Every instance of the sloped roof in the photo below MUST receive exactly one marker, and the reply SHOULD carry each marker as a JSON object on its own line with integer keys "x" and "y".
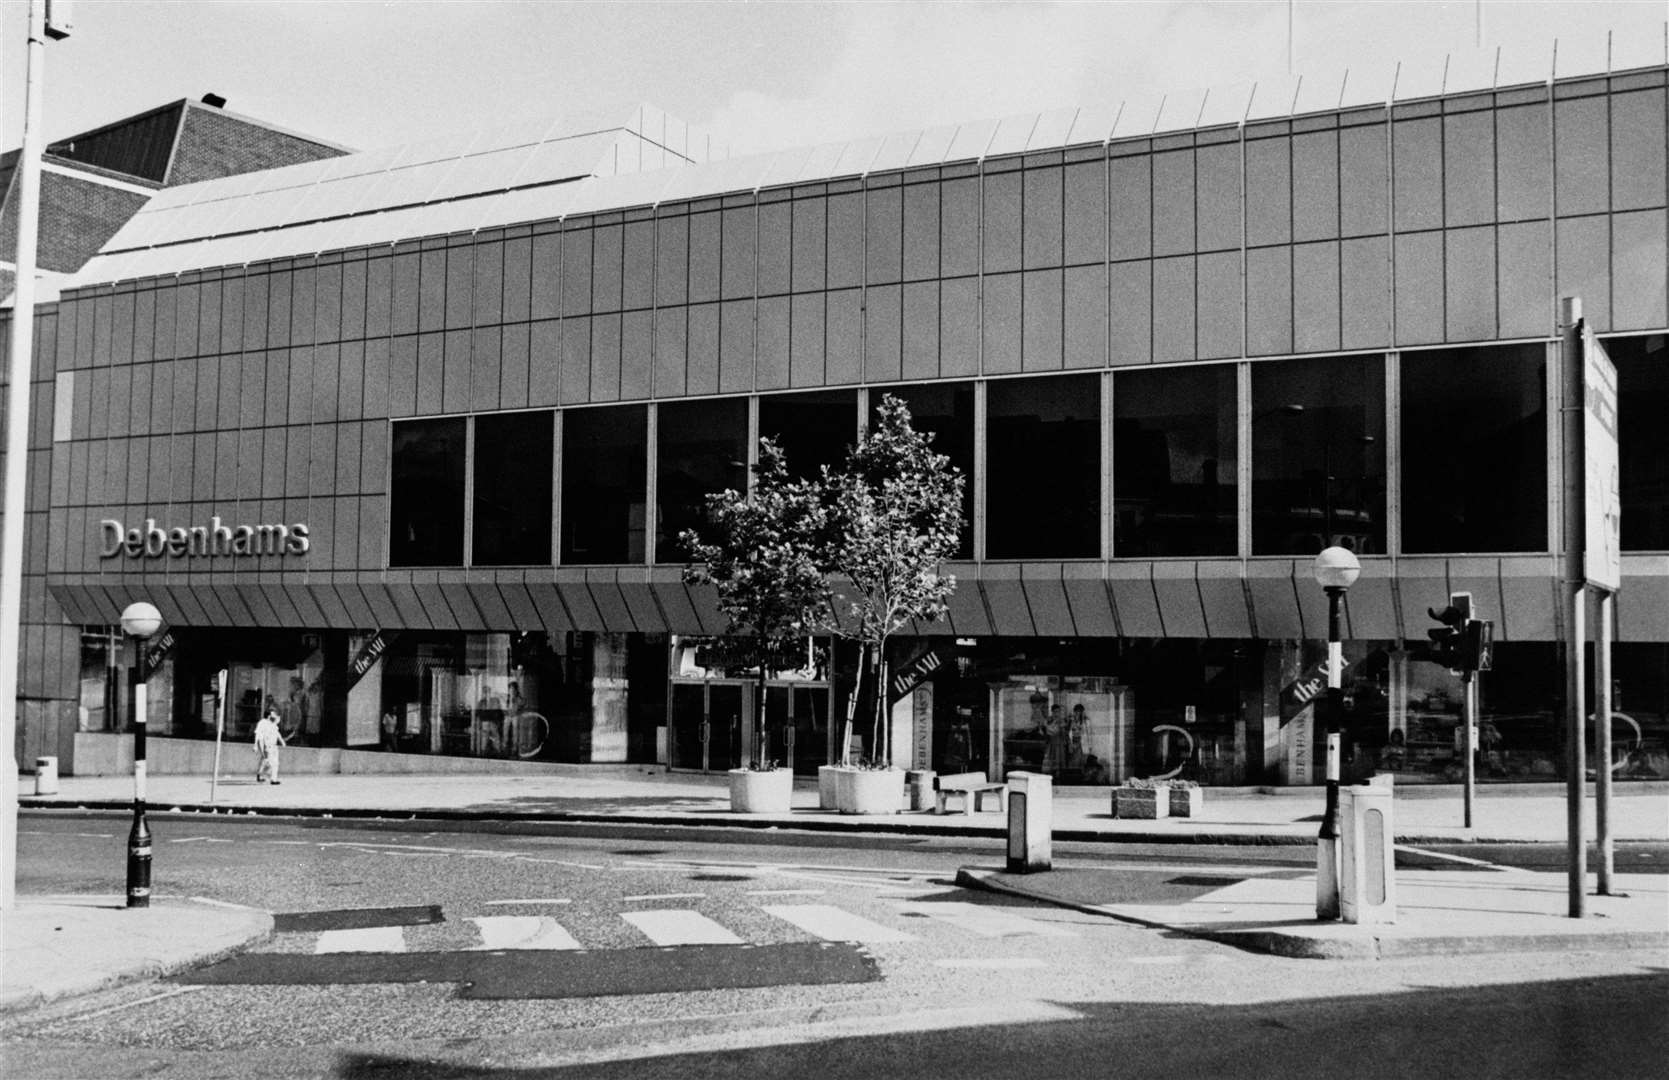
{"x": 92, "y": 183}
{"x": 492, "y": 179}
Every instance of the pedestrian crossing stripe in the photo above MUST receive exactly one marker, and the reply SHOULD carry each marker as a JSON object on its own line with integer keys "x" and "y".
{"x": 668, "y": 927}
{"x": 676, "y": 926}
{"x": 834, "y": 924}
{"x": 362, "y": 939}
{"x": 523, "y": 932}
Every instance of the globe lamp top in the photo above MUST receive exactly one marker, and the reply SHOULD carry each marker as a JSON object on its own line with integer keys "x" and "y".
{"x": 1336, "y": 568}
{"x": 141, "y": 620}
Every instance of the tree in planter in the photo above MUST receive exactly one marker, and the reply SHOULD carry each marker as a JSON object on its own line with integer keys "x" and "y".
{"x": 758, "y": 551}
{"x": 891, "y": 514}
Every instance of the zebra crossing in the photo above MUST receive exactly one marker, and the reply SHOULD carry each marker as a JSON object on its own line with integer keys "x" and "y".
{"x": 679, "y": 926}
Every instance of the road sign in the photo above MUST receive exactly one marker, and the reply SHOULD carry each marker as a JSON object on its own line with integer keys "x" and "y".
{"x": 1602, "y": 538}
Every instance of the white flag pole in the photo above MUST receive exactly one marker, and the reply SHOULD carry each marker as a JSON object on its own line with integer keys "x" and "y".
{"x": 219, "y": 728}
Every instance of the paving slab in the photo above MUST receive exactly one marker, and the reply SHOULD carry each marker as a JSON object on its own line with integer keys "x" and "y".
{"x": 1436, "y": 912}
{"x": 61, "y": 946}
{"x": 648, "y": 794}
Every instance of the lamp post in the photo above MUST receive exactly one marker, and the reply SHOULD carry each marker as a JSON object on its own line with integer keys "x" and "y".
{"x": 139, "y": 621}
{"x": 1336, "y": 570}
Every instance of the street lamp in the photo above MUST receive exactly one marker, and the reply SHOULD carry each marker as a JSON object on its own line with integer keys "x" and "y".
{"x": 139, "y": 621}
{"x": 1336, "y": 570}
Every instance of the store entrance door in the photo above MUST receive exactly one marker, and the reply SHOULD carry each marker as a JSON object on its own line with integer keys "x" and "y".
{"x": 709, "y": 728}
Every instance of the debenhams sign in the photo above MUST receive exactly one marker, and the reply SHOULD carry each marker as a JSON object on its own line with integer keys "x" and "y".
{"x": 216, "y": 538}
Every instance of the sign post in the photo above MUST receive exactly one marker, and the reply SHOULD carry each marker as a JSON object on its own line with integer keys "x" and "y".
{"x": 219, "y": 728}
{"x": 1591, "y": 536}
{"x": 1602, "y": 564}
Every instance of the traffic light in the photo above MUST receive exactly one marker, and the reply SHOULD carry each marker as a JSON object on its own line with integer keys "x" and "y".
{"x": 1446, "y": 648}
{"x": 1477, "y": 645}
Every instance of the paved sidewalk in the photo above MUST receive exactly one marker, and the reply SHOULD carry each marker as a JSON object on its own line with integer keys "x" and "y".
{"x": 57, "y": 946}
{"x": 1437, "y": 912}
{"x": 648, "y": 794}
{"x": 61, "y": 946}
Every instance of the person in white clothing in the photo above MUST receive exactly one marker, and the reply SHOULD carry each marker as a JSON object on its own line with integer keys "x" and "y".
{"x": 267, "y": 741}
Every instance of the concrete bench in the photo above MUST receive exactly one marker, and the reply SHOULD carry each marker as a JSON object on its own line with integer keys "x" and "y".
{"x": 973, "y": 787}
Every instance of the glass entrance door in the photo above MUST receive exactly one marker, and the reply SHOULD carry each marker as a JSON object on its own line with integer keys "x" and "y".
{"x": 709, "y": 725}
{"x": 797, "y": 727}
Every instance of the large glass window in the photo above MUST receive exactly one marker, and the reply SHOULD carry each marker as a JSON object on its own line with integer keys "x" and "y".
{"x": 1043, "y": 493}
{"x": 1174, "y": 461}
{"x": 812, "y": 429}
{"x": 512, "y": 489}
{"x": 701, "y": 447}
{"x": 946, "y": 412}
{"x": 1318, "y": 455}
{"x": 1643, "y": 439}
{"x": 1474, "y": 450}
{"x": 517, "y": 695}
{"x": 426, "y": 494}
{"x": 604, "y": 482}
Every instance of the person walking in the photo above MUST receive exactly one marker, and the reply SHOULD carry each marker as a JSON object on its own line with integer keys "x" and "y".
{"x": 267, "y": 741}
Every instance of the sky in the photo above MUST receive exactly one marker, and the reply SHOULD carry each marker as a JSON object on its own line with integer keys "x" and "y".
{"x": 759, "y": 75}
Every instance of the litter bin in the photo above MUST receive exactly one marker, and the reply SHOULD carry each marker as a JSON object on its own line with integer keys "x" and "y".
{"x": 46, "y": 776}
{"x": 919, "y": 783}
{"x": 1031, "y": 815}
{"x": 1367, "y": 878}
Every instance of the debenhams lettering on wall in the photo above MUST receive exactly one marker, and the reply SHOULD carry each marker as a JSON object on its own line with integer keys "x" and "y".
{"x": 191, "y": 541}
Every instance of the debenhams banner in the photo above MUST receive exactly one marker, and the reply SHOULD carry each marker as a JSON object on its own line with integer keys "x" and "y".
{"x": 193, "y": 541}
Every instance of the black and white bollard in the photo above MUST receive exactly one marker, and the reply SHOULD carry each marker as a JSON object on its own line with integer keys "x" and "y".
{"x": 1031, "y": 815}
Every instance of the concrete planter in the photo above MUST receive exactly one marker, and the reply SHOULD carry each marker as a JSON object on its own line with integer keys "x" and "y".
{"x": 761, "y": 792}
{"x": 826, "y": 778}
{"x": 1187, "y": 802}
{"x": 869, "y": 791}
{"x": 1141, "y": 803}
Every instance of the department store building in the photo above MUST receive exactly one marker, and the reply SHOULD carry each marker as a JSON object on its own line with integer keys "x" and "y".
{"x": 403, "y": 440}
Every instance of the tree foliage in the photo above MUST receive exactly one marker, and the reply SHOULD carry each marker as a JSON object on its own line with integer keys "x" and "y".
{"x": 891, "y": 515}
{"x": 759, "y": 554}
{"x": 854, "y": 552}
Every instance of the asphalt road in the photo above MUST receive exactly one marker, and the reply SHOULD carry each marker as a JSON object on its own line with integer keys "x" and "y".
{"x": 406, "y": 950}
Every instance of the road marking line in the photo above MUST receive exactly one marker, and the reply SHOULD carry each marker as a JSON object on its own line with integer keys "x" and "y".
{"x": 532, "y": 900}
{"x": 95, "y": 835}
{"x": 994, "y": 962}
{"x": 522, "y": 932}
{"x": 189, "y": 840}
{"x": 833, "y": 924}
{"x": 665, "y": 896}
{"x": 984, "y": 921}
{"x": 859, "y": 883}
{"x": 383, "y": 939}
{"x": 1445, "y": 856}
{"x": 674, "y": 926}
{"x": 94, "y": 1015}
{"x": 223, "y": 904}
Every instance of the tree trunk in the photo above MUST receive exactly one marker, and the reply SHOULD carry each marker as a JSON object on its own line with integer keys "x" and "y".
{"x": 878, "y": 663}
{"x": 852, "y": 707}
{"x": 885, "y": 705}
{"x": 759, "y": 747}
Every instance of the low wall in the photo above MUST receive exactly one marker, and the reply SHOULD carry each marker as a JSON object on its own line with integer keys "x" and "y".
{"x": 105, "y": 754}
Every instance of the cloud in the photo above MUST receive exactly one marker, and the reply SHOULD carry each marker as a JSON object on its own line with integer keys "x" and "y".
{"x": 898, "y": 67}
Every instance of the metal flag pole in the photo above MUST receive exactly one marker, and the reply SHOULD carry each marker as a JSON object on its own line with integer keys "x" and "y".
{"x": 219, "y": 728}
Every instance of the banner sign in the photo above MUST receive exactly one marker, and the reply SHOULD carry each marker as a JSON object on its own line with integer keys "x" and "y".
{"x": 156, "y": 652}
{"x": 369, "y": 654}
{"x": 1602, "y": 563}
{"x": 1302, "y": 691}
{"x": 906, "y": 677}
